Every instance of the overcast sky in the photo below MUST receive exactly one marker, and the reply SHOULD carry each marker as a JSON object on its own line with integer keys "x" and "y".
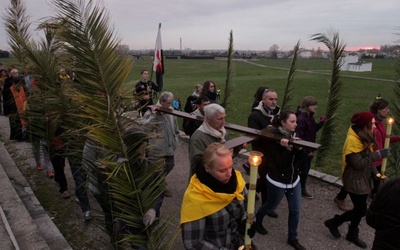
{"x": 256, "y": 24}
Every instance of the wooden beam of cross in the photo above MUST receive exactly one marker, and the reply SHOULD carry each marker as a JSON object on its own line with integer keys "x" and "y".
{"x": 251, "y": 133}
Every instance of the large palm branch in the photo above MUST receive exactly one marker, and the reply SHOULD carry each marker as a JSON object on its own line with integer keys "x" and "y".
{"x": 336, "y": 48}
{"x": 101, "y": 73}
{"x": 17, "y": 25}
{"x": 229, "y": 82}
{"x": 288, "y": 96}
{"x": 43, "y": 65}
{"x": 395, "y": 110}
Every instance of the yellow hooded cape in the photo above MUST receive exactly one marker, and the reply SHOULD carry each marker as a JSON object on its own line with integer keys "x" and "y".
{"x": 200, "y": 201}
{"x": 351, "y": 145}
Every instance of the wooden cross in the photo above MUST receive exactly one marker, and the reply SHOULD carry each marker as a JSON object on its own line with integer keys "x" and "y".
{"x": 251, "y": 133}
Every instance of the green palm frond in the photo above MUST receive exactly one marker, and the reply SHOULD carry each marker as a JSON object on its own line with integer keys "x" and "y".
{"x": 229, "y": 83}
{"x": 43, "y": 66}
{"x": 288, "y": 96}
{"x": 336, "y": 48}
{"x": 51, "y": 42}
{"x": 101, "y": 72}
{"x": 17, "y": 25}
{"x": 395, "y": 112}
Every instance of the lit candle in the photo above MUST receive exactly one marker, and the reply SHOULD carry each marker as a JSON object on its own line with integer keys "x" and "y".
{"x": 255, "y": 160}
{"x": 389, "y": 124}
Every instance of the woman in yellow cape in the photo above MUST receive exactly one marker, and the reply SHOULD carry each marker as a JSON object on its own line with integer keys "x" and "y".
{"x": 358, "y": 173}
{"x": 213, "y": 213}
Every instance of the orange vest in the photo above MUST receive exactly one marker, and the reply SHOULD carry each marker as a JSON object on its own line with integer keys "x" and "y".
{"x": 20, "y": 102}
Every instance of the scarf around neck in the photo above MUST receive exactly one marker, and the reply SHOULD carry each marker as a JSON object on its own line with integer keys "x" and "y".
{"x": 284, "y": 132}
{"x": 197, "y": 112}
{"x": 264, "y": 111}
{"x": 220, "y": 134}
{"x": 207, "y": 179}
{"x": 200, "y": 201}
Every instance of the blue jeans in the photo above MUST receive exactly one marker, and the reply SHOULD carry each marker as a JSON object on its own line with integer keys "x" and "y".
{"x": 274, "y": 197}
{"x": 79, "y": 174}
{"x": 37, "y": 144}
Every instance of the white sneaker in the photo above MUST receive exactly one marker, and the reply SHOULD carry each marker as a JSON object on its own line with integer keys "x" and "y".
{"x": 86, "y": 216}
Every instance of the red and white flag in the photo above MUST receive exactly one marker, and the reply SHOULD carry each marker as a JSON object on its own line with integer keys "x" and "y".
{"x": 158, "y": 64}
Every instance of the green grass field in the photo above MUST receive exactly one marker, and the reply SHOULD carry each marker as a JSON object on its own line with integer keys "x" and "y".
{"x": 312, "y": 78}
{"x": 181, "y": 76}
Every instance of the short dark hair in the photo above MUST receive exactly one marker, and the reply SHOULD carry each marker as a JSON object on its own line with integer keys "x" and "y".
{"x": 377, "y": 105}
{"x": 201, "y": 99}
{"x": 283, "y": 116}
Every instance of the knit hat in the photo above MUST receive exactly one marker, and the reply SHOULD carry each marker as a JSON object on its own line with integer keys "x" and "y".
{"x": 361, "y": 119}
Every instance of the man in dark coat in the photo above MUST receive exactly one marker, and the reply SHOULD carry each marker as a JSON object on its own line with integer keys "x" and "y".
{"x": 260, "y": 118}
{"x": 144, "y": 91}
{"x": 10, "y": 108}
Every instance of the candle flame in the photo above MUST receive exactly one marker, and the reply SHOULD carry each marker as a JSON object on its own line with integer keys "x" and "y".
{"x": 390, "y": 120}
{"x": 255, "y": 158}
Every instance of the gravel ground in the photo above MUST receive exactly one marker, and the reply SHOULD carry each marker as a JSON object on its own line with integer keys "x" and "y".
{"x": 68, "y": 217}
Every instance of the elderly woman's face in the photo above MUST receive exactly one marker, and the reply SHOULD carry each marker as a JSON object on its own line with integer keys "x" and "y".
{"x": 166, "y": 104}
{"x": 221, "y": 168}
{"x": 218, "y": 121}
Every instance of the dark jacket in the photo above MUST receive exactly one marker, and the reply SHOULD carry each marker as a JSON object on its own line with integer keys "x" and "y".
{"x": 384, "y": 216}
{"x": 307, "y": 128}
{"x": 141, "y": 91}
{"x": 282, "y": 162}
{"x": 190, "y": 126}
{"x": 212, "y": 96}
{"x": 359, "y": 169}
{"x": 259, "y": 120}
{"x": 8, "y": 98}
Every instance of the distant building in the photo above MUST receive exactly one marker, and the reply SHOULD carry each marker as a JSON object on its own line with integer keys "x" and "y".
{"x": 359, "y": 66}
{"x": 305, "y": 54}
{"x": 351, "y": 63}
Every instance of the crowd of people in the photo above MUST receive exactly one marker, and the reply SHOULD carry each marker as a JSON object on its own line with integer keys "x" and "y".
{"x": 213, "y": 212}
{"x": 283, "y": 171}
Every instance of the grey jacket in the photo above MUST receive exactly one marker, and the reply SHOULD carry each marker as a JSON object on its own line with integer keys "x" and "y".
{"x": 166, "y": 131}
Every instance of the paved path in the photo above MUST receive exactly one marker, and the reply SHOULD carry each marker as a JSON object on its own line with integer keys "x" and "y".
{"x": 312, "y": 232}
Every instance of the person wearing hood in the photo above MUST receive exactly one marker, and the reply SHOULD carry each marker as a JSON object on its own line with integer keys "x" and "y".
{"x": 380, "y": 109}
{"x": 358, "y": 172}
{"x": 306, "y": 130}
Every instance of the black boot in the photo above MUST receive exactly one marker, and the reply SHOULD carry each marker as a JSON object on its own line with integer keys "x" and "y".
{"x": 296, "y": 245}
{"x": 259, "y": 228}
{"x": 333, "y": 224}
{"x": 352, "y": 236}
